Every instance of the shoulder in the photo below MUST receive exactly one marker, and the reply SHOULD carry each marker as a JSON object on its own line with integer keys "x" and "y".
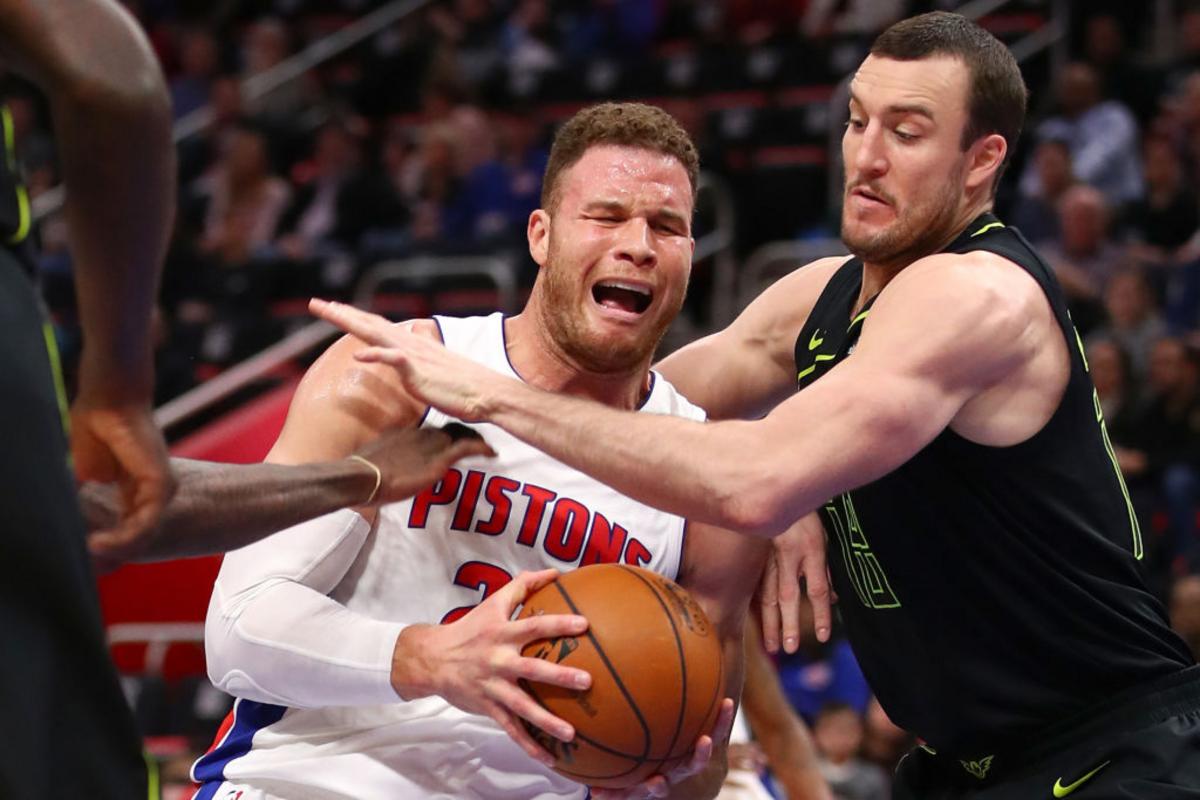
{"x": 666, "y": 399}
{"x": 978, "y": 308}
{"x": 341, "y": 403}
{"x": 783, "y": 307}
{"x": 977, "y": 284}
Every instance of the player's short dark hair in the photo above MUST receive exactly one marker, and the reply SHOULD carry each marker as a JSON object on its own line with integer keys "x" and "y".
{"x": 624, "y": 124}
{"x": 996, "y": 93}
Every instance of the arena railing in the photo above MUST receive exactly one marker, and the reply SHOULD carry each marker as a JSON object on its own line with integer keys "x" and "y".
{"x": 1053, "y": 34}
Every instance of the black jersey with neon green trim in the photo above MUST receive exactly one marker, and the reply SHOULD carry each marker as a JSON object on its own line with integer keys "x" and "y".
{"x": 991, "y": 591}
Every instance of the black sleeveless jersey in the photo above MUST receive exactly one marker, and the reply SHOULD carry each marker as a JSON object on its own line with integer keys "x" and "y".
{"x": 989, "y": 592}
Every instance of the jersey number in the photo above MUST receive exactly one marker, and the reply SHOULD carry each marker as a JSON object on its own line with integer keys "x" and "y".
{"x": 865, "y": 572}
{"x": 477, "y": 575}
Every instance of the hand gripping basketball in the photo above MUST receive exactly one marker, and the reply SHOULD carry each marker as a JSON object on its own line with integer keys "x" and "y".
{"x": 476, "y": 662}
{"x": 660, "y": 785}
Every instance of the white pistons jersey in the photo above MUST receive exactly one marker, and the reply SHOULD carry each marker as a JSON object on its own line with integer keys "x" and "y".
{"x": 302, "y": 625}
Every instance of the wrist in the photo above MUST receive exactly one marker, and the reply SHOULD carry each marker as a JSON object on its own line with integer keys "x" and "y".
{"x": 413, "y": 673}
{"x": 371, "y": 479}
{"x": 108, "y": 379}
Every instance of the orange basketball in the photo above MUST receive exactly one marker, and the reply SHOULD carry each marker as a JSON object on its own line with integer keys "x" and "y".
{"x": 656, "y": 667}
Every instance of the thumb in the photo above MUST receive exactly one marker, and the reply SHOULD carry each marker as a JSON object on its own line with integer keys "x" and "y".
{"x": 525, "y": 584}
{"x": 469, "y": 447}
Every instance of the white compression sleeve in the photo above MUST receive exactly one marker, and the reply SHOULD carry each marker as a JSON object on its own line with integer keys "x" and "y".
{"x": 273, "y": 635}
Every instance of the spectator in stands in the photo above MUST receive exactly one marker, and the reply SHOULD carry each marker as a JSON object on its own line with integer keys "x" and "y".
{"x": 244, "y": 199}
{"x": 1120, "y": 77}
{"x": 198, "y": 152}
{"x": 1187, "y": 59}
{"x": 337, "y": 199}
{"x": 1036, "y": 215}
{"x": 1123, "y": 411}
{"x": 470, "y": 29}
{"x": 526, "y": 45}
{"x": 1170, "y": 429}
{"x": 432, "y": 187}
{"x": 1168, "y": 216}
{"x": 857, "y": 17}
{"x": 198, "y": 63}
{"x": 502, "y": 192}
{"x": 838, "y": 735}
{"x": 1133, "y": 320}
{"x": 608, "y": 28}
{"x": 1110, "y": 369}
{"x": 266, "y": 44}
{"x": 819, "y": 673}
{"x": 1084, "y": 256}
{"x": 1101, "y": 133}
{"x": 1185, "y": 610}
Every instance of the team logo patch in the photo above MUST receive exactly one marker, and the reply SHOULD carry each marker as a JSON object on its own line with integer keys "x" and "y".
{"x": 978, "y": 768}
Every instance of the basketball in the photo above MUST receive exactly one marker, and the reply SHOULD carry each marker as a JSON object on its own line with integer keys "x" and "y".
{"x": 656, "y": 667}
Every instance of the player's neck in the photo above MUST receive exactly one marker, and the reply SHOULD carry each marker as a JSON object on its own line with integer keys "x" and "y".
{"x": 877, "y": 275}
{"x": 543, "y": 362}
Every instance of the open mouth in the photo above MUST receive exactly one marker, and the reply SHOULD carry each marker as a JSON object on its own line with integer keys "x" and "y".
{"x": 867, "y": 194}
{"x": 631, "y": 298}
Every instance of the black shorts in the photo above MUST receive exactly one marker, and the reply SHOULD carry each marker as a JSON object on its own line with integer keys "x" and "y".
{"x": 1143, "y": 746}
{"x": 68, "y": 732}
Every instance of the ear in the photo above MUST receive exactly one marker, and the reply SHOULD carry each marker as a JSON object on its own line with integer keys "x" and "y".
{"x": 538, "y": 234}
{"x": 986, "y": 156}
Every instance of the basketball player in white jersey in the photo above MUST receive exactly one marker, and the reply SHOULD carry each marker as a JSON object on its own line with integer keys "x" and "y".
{"x": 329, "y": 636}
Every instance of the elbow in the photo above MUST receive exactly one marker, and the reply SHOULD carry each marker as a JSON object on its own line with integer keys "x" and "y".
{"x": 757, "y": 506}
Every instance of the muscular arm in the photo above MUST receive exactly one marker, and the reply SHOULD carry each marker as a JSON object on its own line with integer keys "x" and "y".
{"x": 112, "y": 125}
{"x": 221, "y": 507}
{"x": 720, "y": 569}
{"x": 946, "y": 329}
{"x": 942, "y": 332}
{"x": 748, "y": 368}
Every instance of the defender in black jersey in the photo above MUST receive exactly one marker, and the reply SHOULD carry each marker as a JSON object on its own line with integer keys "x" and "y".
{"x": 69, "y": 733}
{"x": 945, "y": 432}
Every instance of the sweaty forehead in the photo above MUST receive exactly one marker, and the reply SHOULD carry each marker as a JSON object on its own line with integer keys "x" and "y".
{"x": 628, "y": 174}
{"x": 938, "y": 83}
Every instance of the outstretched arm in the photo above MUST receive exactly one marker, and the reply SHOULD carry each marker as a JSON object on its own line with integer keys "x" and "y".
{"x": 947, "y": 328}
{"x": 112, "y": 125}
{"x": 222, "y": 507}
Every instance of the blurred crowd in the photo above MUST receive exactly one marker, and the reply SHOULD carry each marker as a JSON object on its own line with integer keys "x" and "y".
{"x": 430, "y": 138}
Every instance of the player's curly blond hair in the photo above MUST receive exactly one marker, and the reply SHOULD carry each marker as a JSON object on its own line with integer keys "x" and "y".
{"x": 623, "y": 124}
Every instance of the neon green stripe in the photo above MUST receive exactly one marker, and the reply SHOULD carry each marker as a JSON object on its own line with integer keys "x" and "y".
{"x": 987, "y": 228}
{"x": 816, "y": 360}
{"x": 10, "y": 139}
{"x": 859, "y": 318}
{"x": 60, "y": 388}
{"x": 24, "y": 219}
{"x": 153, "y": 791}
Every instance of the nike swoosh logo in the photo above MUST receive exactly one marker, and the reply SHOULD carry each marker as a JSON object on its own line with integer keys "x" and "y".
{"x": 814, "y": 342}
{"x": 1063, "y": 791}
